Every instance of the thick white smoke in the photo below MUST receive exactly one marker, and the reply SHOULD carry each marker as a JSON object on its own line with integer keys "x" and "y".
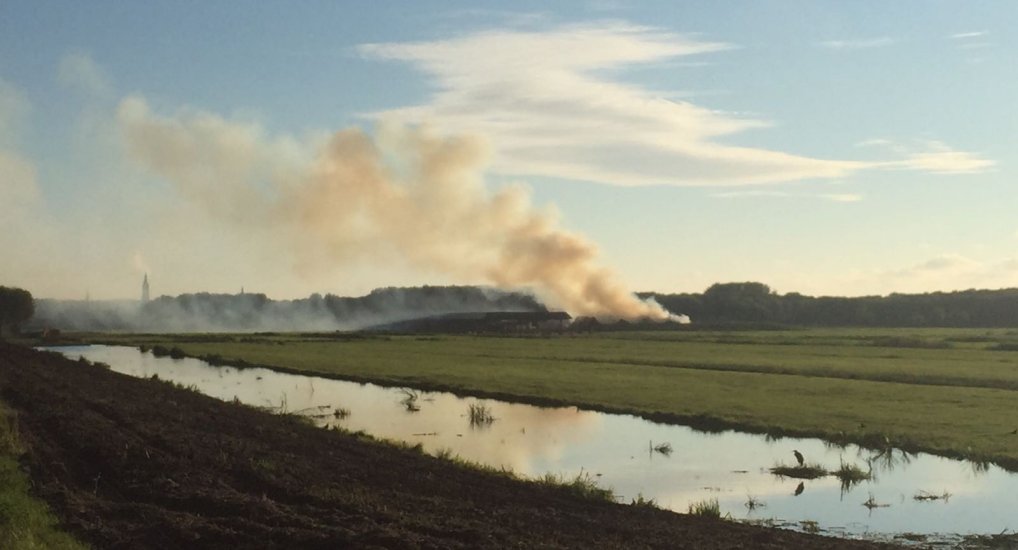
{"x": 403, "y": 195}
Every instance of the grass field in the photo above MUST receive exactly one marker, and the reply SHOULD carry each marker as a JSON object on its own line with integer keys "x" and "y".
{"x": 952, "y": 392}
{"x": 25, "y": 522}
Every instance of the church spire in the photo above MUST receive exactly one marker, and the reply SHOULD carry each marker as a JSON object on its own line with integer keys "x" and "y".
{"x": 144, "y": 290}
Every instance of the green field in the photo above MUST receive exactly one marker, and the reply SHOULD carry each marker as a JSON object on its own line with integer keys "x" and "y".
{"x": 953, "y": 392}
{"x": 25, "y": 521}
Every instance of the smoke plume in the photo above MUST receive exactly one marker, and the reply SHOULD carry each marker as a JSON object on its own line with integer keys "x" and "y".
{"x": 404, "y": 195}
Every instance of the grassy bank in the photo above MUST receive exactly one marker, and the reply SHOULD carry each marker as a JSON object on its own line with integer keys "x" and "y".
{"x": 945, "y": 391}
{"x": 25, "y": 521}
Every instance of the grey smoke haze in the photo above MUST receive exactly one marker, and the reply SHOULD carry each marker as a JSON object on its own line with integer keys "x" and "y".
{"x": 255, "y": 312}
{"x": 402, "y": 197}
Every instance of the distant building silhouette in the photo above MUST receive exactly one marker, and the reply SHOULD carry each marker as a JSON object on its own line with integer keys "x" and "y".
{"x": 144, "y": 290}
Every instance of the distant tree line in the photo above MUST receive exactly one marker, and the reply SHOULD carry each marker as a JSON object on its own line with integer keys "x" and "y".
{"x": 256, "y": 312}
{"x": 756, "y": 303}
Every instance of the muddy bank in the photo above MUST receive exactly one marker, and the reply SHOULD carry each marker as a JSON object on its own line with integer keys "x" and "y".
{"x": 131, "y": 463}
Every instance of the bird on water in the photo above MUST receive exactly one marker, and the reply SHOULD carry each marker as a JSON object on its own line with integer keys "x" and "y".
{"x": 798, "y": 456}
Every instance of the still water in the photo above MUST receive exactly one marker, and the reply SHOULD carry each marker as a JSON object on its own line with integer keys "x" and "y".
{"x": 617, "y": 451}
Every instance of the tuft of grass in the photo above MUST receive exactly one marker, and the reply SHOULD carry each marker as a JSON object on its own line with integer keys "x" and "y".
{"x": 924, "y": 496}
{"x": 663, "y": 448}
{"x": 642, "y": 502}
{"x": 583, "y": 485}
{"x": 480, "y": 414}
{"x": 341, "y": 412}
{"x": 806, "y": 471}
{"x": 709, "y": 508}
{"x": 444, "y": 453}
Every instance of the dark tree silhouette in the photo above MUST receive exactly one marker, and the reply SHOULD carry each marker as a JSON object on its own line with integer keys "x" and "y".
{"x": 757, "y": 304}
{"x": 16, "y": 307}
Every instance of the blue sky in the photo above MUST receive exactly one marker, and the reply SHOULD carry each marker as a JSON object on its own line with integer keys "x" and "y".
{"x": 819, "y": 147}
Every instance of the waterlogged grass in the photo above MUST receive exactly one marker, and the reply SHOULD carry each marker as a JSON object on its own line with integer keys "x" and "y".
{"x": 805, "y": 471}
{"x": 480, "y": 415}
{"x": 26, "y": 523}
{"x": 924, "y": 496}
{"x": 851, "y": 474}
{"x": 940, "y": 390}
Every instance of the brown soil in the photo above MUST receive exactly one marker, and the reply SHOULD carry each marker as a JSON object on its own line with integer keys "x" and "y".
{"x": 130, "y": 463}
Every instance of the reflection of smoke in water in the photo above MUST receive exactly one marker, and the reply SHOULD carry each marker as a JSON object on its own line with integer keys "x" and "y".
{"x": 404, "y": 195}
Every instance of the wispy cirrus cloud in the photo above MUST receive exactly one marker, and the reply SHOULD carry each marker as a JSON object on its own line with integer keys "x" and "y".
{"x": 546, "y": 101}
{"x": 858, "y": 43}
{"x": 757, "y": 193}
{"x": 968, "y": 35}
{"x": 971, "y": 40}
{"x": 552, "y": 103}
{"x": 929, "y": 156}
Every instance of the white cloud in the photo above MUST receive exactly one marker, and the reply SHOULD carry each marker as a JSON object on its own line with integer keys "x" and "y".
{"x": 551, "y": 105}
{"x": 941, "y": 159}
{"x": 753, "y": 193}
{"x": 750, "y": 194}
{"x": 875, "y": 142}
{"x": 967, "y": 35}
{"x": 930, "y": 156}
{"x": 547, "y": 104}
{"x": 858, "y": 44}
{"x": 973, "y": 40}
{"x": 78, "y": 70}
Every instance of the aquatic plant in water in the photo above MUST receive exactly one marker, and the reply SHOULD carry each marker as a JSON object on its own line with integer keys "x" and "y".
{"x": 480, "y": 414}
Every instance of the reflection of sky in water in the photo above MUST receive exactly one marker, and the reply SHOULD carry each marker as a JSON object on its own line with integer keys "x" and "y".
{"x": 532, "y": 441}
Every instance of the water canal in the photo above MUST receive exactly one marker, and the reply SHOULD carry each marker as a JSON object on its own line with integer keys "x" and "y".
{"x": 617, "y": 450}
